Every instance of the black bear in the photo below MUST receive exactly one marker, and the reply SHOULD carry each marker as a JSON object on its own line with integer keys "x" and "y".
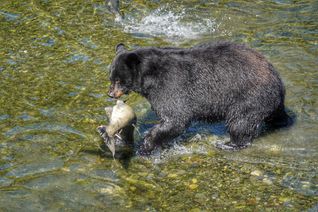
{"x": 210, "y": 82}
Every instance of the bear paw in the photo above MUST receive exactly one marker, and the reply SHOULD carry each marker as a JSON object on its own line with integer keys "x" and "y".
{"x": 147, "y": 147}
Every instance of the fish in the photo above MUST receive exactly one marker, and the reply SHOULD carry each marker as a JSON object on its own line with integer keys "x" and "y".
{"x": 109, "y": 142}
{"x": 120, "y": 129}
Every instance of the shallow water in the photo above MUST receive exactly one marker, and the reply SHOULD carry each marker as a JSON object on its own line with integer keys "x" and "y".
{"x": 54, "y": 59}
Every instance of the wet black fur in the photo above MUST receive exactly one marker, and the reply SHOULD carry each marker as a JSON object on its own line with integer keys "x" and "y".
{"x": 211, "y": 82}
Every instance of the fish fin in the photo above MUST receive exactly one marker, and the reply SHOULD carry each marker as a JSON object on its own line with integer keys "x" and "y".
{"x": 111, "y": 146}
{"x": 118, "y": 135}
{"x": 101, "y": 130}
{"x": 136, "y": 128}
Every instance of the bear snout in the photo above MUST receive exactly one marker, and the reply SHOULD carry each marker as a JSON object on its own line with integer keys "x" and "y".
{"x": 115, "y": 91}
{"x": 115, "y": 94}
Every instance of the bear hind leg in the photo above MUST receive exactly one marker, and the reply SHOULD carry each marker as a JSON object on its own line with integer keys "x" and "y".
{"x": 242, "y": 132}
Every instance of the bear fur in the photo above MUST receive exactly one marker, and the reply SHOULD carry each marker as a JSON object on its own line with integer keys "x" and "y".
{"x": 210, "y": 82}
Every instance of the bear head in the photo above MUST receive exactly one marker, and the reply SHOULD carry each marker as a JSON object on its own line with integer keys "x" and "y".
{"x": 123, "y": 72}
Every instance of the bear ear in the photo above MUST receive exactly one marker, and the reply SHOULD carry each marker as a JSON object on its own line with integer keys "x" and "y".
{"x": 132, "y": 59}
{"x": 120, "y": 48}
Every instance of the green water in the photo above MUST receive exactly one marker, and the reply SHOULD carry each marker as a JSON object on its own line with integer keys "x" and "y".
{"x": 54, "y": 59}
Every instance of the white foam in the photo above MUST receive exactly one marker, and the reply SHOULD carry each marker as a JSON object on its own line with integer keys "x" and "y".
{"x": 177, "y": 148}
{"x": 169, "y": 25}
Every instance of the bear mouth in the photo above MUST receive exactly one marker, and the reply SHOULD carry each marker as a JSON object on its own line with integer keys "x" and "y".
{"x": 116, "y": 90}
{"x": 115, "y": 93}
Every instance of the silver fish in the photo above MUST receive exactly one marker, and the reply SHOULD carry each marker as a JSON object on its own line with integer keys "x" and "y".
{"x": 120, "y": 128}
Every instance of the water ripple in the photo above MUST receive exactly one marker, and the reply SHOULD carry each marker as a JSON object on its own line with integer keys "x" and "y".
{"x": 43, "y": 126}
{"x": 9, "y": 16}
{"x": 32, "y": 169}
{"x": 4, "y": 117}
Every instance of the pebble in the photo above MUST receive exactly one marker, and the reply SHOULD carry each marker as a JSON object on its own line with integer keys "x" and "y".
{"x": 194, "y": 180}
{"x": 106, "y": 191}
{"x": 257, "y": 173}
{"x": 193, "y": 186}
{"x": 172, "y": 175}
{"x": 267, "y": 181}
{"x": 201, "y": 198}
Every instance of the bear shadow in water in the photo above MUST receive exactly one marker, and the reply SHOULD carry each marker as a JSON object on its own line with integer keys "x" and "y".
{"x": 283, "y": 124}
{"x": 124, "y": 157}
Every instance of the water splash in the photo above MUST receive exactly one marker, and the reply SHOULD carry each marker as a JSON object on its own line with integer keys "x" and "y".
{"x": 198, "y": 144}
{"x": 169, "y": 25}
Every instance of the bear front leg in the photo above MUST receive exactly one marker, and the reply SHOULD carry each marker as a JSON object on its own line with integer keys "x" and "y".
{"x": 162, "y": 132}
